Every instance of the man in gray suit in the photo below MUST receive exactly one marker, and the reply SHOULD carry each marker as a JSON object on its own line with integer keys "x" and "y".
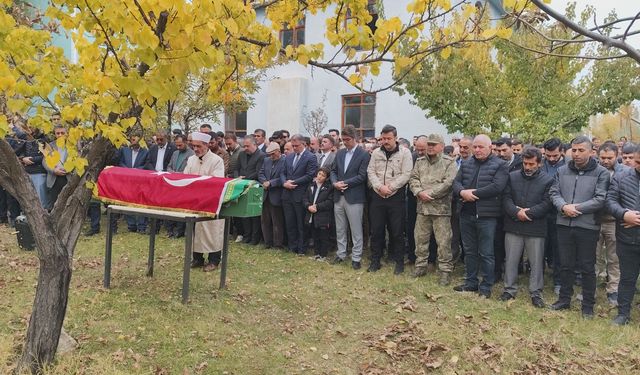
{"x": 349, "y": 178}
{"x": 249, "y": 164}
{"x": 326, "y": 156}
{"x": 177, "y": 164}
{"x": 272, "y": 218}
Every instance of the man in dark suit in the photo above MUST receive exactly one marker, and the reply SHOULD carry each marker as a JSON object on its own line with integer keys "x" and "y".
{"x": 349, "y": 178}
{"x": 160, "y": 153}
{"x": 261, "y": 140}
{"x": 134, "y": 156}
{"x": 300, "y": 168}
{"x": 272, "y": 219}
{"x": 249, "y": 163}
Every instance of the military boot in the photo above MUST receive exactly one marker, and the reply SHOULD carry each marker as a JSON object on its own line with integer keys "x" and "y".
{"x": 444, "y": 278}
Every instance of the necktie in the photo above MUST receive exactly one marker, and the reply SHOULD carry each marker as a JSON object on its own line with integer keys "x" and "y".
{"x": 321, "y": 159}
{"x": 295, "y": 160}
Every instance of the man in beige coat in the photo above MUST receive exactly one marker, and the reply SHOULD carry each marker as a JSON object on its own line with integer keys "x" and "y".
{"x": 209, "y": 235}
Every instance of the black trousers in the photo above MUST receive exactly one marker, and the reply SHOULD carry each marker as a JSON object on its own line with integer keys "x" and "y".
{"x": 577, "y": 250}
{"x": 252, "y": 229}
{"x": 55, "y": 190}
{"x": 321, "y": 240}
{"x": 8, "y": 205}
{"x": 411, "y": 226}
{"x": 294, "y": 221}
{"x": 629, "y": 256}
{"x": 387, "y": 214}
{"x": 498, "y": 249}
{"x": 551, "y": 249}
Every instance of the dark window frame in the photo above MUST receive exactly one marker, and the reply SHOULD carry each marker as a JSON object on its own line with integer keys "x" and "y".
{"x": 299, "y": 28}
{"x": 375, "y": 14}
{"x": 363, "y": 130}
{"x": 231, "y": 123}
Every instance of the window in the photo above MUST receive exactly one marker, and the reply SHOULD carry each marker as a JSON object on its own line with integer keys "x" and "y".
{"x": 293, "y": 37}
{"x": 360, "y": 111}
{"x": 373, "y": 11}
{"x": 236, "y": 123}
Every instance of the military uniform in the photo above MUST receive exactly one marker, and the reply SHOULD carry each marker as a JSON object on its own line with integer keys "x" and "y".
{"x": 434, "y": 176}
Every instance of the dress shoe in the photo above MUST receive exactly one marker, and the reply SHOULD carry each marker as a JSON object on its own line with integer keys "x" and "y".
{"x": 337, "y": 260}
{"x": 559, "y": 305}
{"x": 506, "y": 297}
{"x": 197, "y": 264}
{"x": 179, "y": 235}
{"x": 465, "y": 288}
{"x": 171, "y": 235}
{"x": 399, "y": 268}
{"x": 209, "y": 267}
{"x": 239, "y": 239}
{"x": 355, "y": 265}
{"x": 254, "y": 243}
{"x": 537, "y": 302}
{"x": 374, "y": 266}
{"x": 419, "y": 272}
{"x": 92, "y": 232}
{"x": 246, "y": 240}
{"x": 620, "y": 320}
{"x": 484, "y": 293}
{"x": 587, "y": 313}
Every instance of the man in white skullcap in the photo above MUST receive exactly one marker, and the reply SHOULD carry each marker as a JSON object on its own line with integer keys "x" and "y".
{"x": 209, "y": 235}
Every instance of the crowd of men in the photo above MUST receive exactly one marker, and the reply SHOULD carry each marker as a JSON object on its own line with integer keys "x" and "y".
{"x": 501, "y": 206}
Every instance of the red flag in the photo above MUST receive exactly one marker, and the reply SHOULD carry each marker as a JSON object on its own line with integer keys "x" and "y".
{"x": 162, "y": 190}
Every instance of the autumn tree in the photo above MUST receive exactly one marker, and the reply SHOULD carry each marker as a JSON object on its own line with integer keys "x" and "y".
{"x": 134, "y": 57}
{"x": 624, "y": 122}
{"x": 503, "y": 88}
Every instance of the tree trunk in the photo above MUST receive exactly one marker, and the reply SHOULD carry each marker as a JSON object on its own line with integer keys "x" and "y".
{"x": 56, "y": 235}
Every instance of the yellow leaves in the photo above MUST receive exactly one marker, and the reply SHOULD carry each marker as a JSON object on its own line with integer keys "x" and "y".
{"x": 231, "y": 26}
{"x": 105, "y": 84}
{"x": 303, "y": 59}
{"x": 355, "y": 78}
{"x": 375, "y": 68}
{"x": 504, "y": 32}
{"x": 402, "y": 62}
{"x": 4, "y": 126}
{"x": 17, "y": 105}
{"x": 147, "y": 38}
{"x": 446, "y": 52}
{"x": 51, "y": 156}
{"x": 417, "y": 6}
{"x": 6, "y": 22}
{"x": 488, "y": 33}
{"x": 7, "y": 83}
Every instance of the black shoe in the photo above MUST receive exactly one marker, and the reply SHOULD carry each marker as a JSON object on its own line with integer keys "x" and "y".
{"x": 132, "y": 230}
{"x": 337, "y": 260}
{"x": 179, "y": 235}
{"x": 587, "y": 313}
{"x": 246, "y": 240}
{"x": 355, "y": 265}
{"x": 92, "y": 232}
{"x": 197, "y": 263}
{"x": 559, "y": 305}
{"x": 142, "y": 231}
{"x": 506, "y": 297}
{"x": 373, "y": 267}
{"x": 399, "y": 268}
{"x": 484, "y": 293}
{"x": 254, "y": 243}
{"x": 465, "y": 288}
{"x": 537, "y": 302}
{"x": 620, "y": 320}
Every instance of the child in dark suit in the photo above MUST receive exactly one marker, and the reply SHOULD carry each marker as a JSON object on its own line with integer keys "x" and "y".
{"x": 318, "y": 201}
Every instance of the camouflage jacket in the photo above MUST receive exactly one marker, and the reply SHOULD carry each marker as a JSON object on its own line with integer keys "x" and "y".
{"x": 435, "y": 176}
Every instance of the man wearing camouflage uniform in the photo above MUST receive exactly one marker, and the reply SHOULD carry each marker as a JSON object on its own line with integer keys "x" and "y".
{"x": 431, "y": 182}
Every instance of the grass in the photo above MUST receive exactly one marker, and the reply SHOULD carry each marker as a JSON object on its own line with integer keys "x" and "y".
{"x": 283, "y": 314}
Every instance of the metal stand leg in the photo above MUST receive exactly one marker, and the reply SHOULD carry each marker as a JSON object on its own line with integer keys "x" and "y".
{"x": 107, "y": 253}
{"x": 152, "y": 247}
{"x": 225, "y": 254}
{"x": 188, "y": 248}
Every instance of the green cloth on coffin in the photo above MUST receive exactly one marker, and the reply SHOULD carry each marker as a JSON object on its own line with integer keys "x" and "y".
{"x": 242, "y": 198}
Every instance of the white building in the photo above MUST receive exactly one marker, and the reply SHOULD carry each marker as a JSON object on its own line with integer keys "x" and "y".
{"x": 290, "y": 90}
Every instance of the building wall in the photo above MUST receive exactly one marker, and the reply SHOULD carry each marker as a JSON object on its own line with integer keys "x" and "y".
{"x": 290, "y": 90}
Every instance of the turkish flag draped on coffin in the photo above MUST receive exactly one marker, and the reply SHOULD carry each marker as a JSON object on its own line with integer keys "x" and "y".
{"x": 169, "y": 191}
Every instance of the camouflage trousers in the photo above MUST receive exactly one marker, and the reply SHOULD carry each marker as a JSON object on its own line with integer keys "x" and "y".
{"x": 441, "y": 226}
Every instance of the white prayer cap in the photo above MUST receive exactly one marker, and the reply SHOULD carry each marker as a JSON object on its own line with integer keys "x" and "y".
{"x": 202, "y": 137}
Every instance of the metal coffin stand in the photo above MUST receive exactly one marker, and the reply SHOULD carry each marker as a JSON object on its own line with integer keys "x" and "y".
{"x": 249, "y": 205}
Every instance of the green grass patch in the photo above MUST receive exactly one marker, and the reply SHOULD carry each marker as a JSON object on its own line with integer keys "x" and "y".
{"x": 283, "y": 314}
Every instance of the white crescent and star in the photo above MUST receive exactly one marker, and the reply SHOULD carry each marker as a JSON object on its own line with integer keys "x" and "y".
{"x": 185, "y": 181}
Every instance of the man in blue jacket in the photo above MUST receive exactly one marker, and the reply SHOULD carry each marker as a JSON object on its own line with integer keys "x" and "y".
{"x": 479, "y": 185}
{"x": 578, "y": 193}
